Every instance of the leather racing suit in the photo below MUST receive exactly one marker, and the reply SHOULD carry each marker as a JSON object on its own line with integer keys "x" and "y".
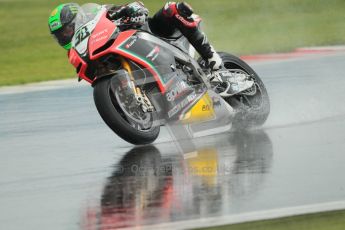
{"x": 173, "y": 16}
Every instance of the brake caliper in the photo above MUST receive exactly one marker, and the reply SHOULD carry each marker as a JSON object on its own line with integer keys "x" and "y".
{"x": 143, "y": 101}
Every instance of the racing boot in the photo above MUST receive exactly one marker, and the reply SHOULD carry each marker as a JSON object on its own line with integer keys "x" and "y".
{"x": 181, "y": 16}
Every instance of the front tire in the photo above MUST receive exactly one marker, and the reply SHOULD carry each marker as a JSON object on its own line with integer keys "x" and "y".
{"x": 115, "y": 117}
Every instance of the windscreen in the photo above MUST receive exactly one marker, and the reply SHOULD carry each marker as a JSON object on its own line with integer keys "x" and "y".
{"x": 86, "y": 13}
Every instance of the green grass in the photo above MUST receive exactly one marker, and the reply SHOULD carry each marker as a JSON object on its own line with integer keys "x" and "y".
{"x": 320, "y": 221}
{"x": 28, "y": 52}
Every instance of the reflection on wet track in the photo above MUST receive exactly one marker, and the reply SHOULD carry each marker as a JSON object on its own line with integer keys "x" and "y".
{"x": 62, "y": 168}
{"x": 147, "y": 188}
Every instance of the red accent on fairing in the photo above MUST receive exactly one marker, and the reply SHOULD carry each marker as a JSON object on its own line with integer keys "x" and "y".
{"x": 77, "y": 61}
{"x": 101, "y": 34}
{"x": 94, "y": 44}
{"x": 123, "y": 37}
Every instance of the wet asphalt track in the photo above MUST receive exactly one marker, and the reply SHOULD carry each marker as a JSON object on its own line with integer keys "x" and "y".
{"x": 62, "y": 168}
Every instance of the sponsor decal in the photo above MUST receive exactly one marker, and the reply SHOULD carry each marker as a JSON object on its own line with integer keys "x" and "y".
{"x": 206, "y": 108}
{"x": 99, "y": 39}
{"x": 183, "y": 104}
{"x": 131, "y": 43}
{"x": 102, "y": 35}
{"x": 184, "y": 21}
{"x": 55, "y": 25}
{"x": 179, "y": 88}
{"x": 105, "y": 31}
{"x": 154, "y": 53}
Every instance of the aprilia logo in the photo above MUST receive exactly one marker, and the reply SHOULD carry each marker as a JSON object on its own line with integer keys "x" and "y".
{"x": 179, "y": 88}
{"x": 154, "y": 53}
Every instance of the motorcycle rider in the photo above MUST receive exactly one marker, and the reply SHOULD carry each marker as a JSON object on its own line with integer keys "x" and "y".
{"x": 173, "y": 16}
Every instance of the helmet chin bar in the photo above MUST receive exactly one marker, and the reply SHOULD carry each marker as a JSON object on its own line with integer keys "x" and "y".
{"x": 64, "y": 36}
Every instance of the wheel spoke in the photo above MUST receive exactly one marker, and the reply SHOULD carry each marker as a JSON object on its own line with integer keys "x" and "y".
{"x": 248, "y": 101}
{"x": 136, "y": 118}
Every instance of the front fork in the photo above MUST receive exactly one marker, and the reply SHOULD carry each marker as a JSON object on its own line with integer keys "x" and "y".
{"x": 141, "y": 98}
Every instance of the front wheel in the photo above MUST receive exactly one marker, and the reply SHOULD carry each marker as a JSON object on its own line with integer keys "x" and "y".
{"x": 122, "y": 115}
{"x": 252, "y": 106}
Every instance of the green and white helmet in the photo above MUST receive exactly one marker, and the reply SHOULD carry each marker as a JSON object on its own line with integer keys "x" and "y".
{"x": 61, "y": 23}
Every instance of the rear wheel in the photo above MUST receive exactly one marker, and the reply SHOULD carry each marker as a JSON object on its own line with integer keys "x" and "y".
{"x": 252, "y": 106}
{"x": 119, "y": 110}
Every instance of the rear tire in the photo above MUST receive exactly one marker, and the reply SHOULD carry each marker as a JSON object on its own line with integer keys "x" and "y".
{"x": 112, "y": 114}
{"x": 253, "y": 110}
{"x": 247, "y": 115}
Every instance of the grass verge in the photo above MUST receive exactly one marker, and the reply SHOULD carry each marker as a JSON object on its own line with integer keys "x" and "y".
{"x": 321, "y": 221}
{"x": 29, "y": 54}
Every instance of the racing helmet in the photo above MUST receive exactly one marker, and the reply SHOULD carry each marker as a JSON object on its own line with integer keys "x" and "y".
{"x": 61, "y": 23}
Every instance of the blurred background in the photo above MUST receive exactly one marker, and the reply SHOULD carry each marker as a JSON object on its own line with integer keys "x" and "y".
{"x": 29, "y": 53}
{"x": 59, "y": 160}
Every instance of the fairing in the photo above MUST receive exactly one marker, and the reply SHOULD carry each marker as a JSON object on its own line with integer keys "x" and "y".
{"x": 79, "y": 64}
{"x": 104, "y": 38}
{"x": 101, "y": 34}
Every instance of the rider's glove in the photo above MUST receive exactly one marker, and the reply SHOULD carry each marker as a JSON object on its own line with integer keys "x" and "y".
{"x": 132, "y": 15}
{"x": 215, "y": 62}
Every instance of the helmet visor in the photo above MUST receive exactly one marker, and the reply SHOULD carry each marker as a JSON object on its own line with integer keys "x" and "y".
{"x": 64, "y": 35}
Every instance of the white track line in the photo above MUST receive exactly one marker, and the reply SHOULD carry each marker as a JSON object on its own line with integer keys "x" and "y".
{"x": 251, "y": 216}
{"x": 294, "y": 59}
{"x": 70, "y": 83}
{"x": 41, "y": 86}
{"x": 322, "y": 48}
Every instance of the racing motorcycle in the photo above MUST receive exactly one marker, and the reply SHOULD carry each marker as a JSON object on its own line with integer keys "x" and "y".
{"x": 142, "y": 81}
